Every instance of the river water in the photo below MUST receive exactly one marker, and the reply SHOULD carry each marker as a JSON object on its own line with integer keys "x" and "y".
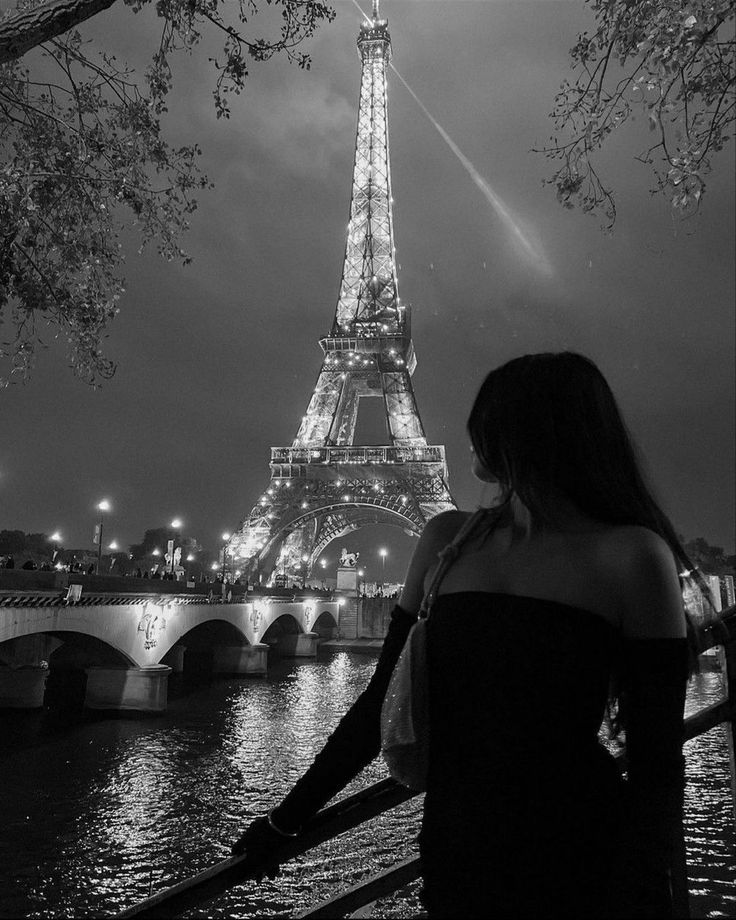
{"x": 98, "y": 812}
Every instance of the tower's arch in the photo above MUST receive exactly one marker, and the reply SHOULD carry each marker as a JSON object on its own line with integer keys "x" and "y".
{"x": 322, "y": 525}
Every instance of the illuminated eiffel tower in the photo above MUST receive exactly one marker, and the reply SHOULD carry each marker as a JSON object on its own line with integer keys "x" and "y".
{"x": 325, "y": 485}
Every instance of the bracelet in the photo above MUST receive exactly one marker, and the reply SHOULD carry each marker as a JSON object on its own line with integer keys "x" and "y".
{"x": 278, "y": 830}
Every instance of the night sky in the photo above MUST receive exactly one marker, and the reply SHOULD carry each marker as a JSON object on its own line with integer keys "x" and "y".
{"x": 217, "y": 361}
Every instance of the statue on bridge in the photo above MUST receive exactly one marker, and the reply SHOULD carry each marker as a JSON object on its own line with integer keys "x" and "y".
{"x": 348, "y": 560}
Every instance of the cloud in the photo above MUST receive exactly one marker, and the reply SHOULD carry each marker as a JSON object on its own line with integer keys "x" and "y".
{"x": 302, "y": 125}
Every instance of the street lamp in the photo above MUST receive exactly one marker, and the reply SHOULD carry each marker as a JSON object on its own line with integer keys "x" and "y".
{"x": 305, "y": 559}
{"x": 175, "y": 525}
{"x": 102, "y": 507}
{"x": 323, "y": 565}
{"x": 225, "y": 537}
{"x": 383, "y": 553}
{"x": 112, "y": 546}
{"x": 56, "y": 540}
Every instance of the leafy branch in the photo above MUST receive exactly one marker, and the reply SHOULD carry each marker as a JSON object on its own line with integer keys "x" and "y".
{"x": 672, "y": 60}
{"x": 84, "y": 155}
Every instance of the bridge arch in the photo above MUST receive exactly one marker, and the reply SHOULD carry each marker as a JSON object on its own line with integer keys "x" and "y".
{"x": 215, "y": 631}
{"x": 67, "y": 645}
{"x": 325, "y": 625}
{"x": 285, "y": 624}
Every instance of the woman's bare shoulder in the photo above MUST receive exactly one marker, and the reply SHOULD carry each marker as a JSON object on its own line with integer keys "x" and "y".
{"x": 643, "y": 569}
{"x": 629, "y": 546}
{"x": 445, "y": 526}
{"x": 438, "y": 532}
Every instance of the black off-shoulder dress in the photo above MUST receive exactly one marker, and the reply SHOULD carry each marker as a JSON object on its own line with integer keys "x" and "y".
{"x": 526, "y": 814}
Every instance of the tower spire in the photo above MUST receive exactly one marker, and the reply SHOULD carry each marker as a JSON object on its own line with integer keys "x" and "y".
{"x": 368, "y": 300}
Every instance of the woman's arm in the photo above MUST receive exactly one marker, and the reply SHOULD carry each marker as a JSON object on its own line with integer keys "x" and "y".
{"x": 440, "y": 531}
{"x": 653, "y": 700}
{"x": 355, "y": 741}
{"x": 654, "y": 680}
{"x": 357, "y": 738}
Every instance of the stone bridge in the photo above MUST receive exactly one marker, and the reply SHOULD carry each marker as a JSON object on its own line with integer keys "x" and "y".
{"x": 129, "y": 648}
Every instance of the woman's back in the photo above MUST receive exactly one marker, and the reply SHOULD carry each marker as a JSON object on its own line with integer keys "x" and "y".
{"x": 525, "y": 635}
{"x": 518, "y": 689}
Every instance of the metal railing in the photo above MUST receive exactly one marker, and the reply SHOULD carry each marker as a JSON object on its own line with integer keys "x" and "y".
{"x": 65, "y": 599}
{"x": 382, "y": 796}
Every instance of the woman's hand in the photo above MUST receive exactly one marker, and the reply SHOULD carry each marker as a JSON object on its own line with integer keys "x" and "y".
{"x": 261, "y": 843}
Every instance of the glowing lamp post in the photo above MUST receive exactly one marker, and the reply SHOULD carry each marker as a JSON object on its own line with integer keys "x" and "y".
{"x": 225, "y": 537}
{"x": 383, "y": 553}
{"x": 175, "y": 526}
{"x": 102, "y": 507}
{"x": 305, "y": 559}
{"x": 56, "y": 540}
{"x": 113, "y": 547}
{"x": 323, "y": 566}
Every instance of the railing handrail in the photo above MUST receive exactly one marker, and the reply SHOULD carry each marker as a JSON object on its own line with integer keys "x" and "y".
{"x": 343, "y": 816}
{"x": 378, "y": 798}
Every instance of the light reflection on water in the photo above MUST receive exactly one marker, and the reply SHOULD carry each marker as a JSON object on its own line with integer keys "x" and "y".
{"x": 104, "y": 811}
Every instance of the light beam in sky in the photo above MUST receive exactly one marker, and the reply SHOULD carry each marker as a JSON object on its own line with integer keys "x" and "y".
{"x": 533, "y": 253}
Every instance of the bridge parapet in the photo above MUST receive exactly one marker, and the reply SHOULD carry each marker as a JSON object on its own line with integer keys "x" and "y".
{"x": 55, "y": 599}
{"x": 145, "y": 629}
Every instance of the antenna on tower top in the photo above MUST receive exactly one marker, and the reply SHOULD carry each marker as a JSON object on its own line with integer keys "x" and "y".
{"x": 375, "y": 10}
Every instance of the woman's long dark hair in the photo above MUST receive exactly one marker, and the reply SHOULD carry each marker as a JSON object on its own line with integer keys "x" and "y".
{"x": 547, "y": 424}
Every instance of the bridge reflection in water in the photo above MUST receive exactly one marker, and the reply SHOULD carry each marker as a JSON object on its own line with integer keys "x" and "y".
{"x": 104, "y": 810}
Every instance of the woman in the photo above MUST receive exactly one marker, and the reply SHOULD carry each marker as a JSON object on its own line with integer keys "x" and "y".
{"x": 567, "y": 587}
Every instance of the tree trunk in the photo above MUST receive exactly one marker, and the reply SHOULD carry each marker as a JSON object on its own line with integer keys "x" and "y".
{"x": 28, "y": 28}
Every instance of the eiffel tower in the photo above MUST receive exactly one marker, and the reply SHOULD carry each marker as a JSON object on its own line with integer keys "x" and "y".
{"x": 324, "y": 485}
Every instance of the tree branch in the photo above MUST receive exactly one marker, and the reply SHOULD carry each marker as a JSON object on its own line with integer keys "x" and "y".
{"x": 28, "y": 28}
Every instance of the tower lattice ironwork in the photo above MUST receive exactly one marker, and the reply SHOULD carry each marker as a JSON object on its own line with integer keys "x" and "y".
{"x": 325, "y": 485}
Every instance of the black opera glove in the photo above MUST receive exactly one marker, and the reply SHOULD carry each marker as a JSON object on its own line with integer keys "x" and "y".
{"x": 354, "y": 743}
{"x": 261, "y": 843}
{"x": 655, "y": 673}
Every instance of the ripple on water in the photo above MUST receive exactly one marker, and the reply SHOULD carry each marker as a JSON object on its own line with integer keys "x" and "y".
{"x": 109, "y": 809}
